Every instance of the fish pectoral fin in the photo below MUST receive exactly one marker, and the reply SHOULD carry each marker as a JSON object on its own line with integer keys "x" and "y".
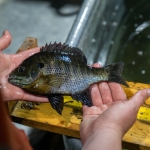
{"x": 55, "y": 80}
{"x": 84, "y": 97}
{"x": 57, "y": 103}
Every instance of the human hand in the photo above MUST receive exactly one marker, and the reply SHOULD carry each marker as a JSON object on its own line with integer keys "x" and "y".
{"x": 7, "y": 64}
{"x": 111, "y": 116}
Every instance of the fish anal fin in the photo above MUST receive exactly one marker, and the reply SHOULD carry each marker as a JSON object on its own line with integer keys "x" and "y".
{"x": 57, "y": 103}
{"x": 84, "y": 98}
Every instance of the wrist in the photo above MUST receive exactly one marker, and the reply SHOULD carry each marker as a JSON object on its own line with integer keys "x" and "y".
{"x": 104, "y": 138}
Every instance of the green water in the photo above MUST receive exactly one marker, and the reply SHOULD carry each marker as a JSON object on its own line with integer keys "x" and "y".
{"x": 132, "y": 42}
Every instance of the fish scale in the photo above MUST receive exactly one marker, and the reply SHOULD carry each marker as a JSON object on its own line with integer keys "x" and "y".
{"x": 59, "y": 70}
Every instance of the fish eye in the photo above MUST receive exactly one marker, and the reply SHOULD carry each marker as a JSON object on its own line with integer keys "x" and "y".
{"x": 21, "y": 69}
{"x": 40, "y": 65}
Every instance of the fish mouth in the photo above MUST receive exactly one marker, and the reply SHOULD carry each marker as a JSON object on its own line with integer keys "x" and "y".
{"x": 16, "y": 81}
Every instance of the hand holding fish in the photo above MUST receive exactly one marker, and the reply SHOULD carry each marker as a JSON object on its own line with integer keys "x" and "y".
{"x": 112, "y": 115}
{"x": 9, "y": 63}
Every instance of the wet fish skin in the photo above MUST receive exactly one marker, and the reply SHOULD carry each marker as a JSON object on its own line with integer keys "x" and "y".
{"x": 59, "y": 70}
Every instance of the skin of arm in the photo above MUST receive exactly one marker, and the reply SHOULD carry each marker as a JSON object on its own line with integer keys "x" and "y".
{"x": 11, "y": 137}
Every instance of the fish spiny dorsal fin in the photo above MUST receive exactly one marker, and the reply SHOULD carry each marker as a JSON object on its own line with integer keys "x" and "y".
{"x": 55, "y": 47}
{"x": 64, "y": 49}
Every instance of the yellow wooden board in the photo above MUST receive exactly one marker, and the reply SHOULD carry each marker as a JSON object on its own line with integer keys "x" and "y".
{"x": 43, "y": 117}
{"x": 144, "y": 111}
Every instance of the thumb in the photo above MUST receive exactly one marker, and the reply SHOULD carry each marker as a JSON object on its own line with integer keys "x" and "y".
{"x": 138, "y": 99}
{"x": 5, "y": 40}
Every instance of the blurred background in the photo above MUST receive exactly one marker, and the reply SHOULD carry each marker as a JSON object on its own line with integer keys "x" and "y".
{"x": 46, "y": 20}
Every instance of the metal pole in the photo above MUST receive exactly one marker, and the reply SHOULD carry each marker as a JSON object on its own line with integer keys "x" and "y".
{"x": 80, "y": 23}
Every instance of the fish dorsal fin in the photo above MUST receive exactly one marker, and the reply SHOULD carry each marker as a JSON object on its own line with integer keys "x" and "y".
{"x": 64, "y": 49}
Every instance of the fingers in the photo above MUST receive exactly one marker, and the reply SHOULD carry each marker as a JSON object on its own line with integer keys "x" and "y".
{"x": 96, "y": 65}
{"x": 117, "y": 91}
{"x": 11, "y": 92}
{"x": 105, "y": 92}
{"x": 20, "y": 57}
{"x": 5, "y": 40}
{"x": 138, "y": 99}
{"x": 29, "y": 53}
{"x": 95, "y": 93}
{"x": 29, "y": 97}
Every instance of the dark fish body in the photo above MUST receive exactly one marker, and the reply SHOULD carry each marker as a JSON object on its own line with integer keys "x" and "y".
{"x": 59, "y": 70}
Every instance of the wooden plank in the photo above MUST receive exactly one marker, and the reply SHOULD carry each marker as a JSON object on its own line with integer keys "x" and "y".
{"x": 43, "y": 117}
{"x": 138, "y": 134}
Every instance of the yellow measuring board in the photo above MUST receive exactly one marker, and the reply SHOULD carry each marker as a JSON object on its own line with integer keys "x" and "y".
{"x": 144, "y": 111}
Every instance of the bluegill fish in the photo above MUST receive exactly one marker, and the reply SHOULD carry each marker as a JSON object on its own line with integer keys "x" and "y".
{"x": 59, "y": 70}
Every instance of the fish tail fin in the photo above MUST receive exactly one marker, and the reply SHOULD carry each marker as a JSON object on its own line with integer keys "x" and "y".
{"x": 115, "y": 73}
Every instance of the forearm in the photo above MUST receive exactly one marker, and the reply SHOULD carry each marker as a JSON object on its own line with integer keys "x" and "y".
{"x": 10, "y": 136}
{"x": 106, "y": 139}
{"x": 4, "y": 125}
